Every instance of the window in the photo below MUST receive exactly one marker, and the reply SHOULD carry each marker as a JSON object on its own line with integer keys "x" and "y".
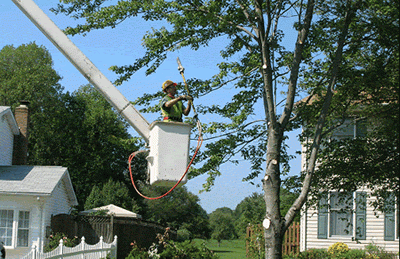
{"x": 352, "y": 128}
{"x": 6, "y": 226}
{"x": 14, "y": 227}
{"x": 391, "y": 216}
{"x": 23, "y": 229}
{"x": 342, "y": 214}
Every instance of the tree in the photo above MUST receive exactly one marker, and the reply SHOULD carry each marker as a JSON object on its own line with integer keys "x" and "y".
{"x": 221, "y": 221}
{"x": 251, "y": 210}
{"x": 180, "y": 210}
{"x": 89, "y": 138}
{"x": 79, "y": 130}
{"x": 369, "y": 94}
{"x": 26, "y": 73}
{"x": 322, "y": 64}
{"x": 112, "y": 192}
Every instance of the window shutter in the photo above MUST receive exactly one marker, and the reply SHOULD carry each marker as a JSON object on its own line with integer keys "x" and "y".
{"x": 361, "y": 215}
{"x": 389, "y": 218}
{"x": 323, "y": 218}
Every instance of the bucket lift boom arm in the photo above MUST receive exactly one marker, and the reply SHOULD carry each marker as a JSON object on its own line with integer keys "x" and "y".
{"x": 85, "y": 66}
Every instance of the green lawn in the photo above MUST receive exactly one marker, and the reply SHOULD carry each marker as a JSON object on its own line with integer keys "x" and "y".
{"x": 229, "y": 249}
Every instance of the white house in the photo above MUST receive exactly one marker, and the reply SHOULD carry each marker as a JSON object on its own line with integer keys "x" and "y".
{"x": 29, "y": 195}
{"x": 348, "y": 220}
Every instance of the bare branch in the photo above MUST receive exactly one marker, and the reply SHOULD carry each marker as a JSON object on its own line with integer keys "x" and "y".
{"x": 232, "y": 132}
{"x": 231, "y": 80}
{"x": 301, "y": 38}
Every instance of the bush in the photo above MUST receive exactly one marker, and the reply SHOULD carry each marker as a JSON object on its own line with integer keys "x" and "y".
{"x": 255, "y": 243}
{"x": 166, "y": 249}
{"x": 338, "y": 249}
{"x": 375, "y": 252}
{"x": 341, "y": 251}
{"x": 354, "y": 254}
{"x": 183, "y": 235}
{"x": 54, "y": 241}
{"x": 314, "y": 254}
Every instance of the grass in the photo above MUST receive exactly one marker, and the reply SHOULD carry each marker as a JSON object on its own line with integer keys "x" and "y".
{"x": 229, "y": 249}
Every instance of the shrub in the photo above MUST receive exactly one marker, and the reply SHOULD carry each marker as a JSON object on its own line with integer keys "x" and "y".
{"x": 375, "y": 252}
{"x": 183, "y": 235}
{"x": 354, "y": 254}
{"x": 338, "y": 249}
{"x": 166, "y": 249}
{"x": 54, "y": 241}
{"x": 314, "y": 254}
{"x": 255, "y": 243}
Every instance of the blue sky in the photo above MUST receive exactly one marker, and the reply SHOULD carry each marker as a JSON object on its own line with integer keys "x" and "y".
{"x": 121, "y": 46}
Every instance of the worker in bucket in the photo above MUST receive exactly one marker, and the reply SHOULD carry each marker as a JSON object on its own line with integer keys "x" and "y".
{"x": 172, "y": 107}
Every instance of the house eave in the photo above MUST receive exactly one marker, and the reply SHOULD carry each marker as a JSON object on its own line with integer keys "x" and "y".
{"x": 26, "y": 194}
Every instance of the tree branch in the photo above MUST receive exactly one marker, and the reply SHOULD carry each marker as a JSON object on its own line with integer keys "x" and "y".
{"x": 321, "y": 120}
{"x": 301, "y": 38}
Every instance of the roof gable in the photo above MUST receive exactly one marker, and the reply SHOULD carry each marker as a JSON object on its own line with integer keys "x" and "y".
{"x": 34, "y": 180}
{"x": 6, "y": 113}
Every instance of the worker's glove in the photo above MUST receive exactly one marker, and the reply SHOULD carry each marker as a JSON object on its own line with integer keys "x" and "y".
{"x": 187, "y": 97}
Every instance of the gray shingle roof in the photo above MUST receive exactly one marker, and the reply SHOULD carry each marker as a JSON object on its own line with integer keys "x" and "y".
{"x": 30, "y": 180}
{"x": 3, "y": 108}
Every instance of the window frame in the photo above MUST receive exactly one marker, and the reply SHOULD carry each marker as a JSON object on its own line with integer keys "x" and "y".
{"x": 7, "y": 227}
{"x": 396, "y": 219}
{"x": 358, "y": 210}
{"x": 16, "y": 228}
{"x": 336, "y": 209}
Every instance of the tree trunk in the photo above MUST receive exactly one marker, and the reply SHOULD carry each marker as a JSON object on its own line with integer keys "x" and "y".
{"x": 273, "y": 223}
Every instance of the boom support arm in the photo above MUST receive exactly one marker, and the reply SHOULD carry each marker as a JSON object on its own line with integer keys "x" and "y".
{"x": 85, "y": 66}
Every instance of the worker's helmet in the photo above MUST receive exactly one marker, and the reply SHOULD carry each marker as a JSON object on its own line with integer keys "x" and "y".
{"x": 166, "y": 84}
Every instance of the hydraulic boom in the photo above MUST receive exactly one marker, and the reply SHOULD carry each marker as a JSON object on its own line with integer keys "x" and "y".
{"x": 85, "y": 66}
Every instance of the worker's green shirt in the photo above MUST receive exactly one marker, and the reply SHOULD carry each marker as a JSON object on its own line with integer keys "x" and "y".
{"x": 173, "y": 113}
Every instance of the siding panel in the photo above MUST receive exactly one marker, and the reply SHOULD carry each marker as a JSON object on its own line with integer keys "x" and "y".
{"x": 374, "y": 232}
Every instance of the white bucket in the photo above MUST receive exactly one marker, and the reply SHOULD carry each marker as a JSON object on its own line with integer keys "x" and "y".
{"x": 169, "y": 152}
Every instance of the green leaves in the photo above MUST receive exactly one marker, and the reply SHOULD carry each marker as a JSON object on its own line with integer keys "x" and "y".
{"x": 180, "y": 210}
{"x": 79, "y": 130}
{"x": 112, "y": 192}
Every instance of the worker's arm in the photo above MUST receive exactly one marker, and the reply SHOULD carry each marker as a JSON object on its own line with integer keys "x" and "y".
{"x": 172, "y": 102}
{"x": 187, "y": 109}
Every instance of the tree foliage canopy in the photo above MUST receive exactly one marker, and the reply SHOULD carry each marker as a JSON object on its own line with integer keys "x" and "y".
{"x": 342, "y": 47}
{"x": 222, "y": 224}
{"x": 79, "y": 131}
{"x": 180, "y": 209}
{"x": 112, "y": 192}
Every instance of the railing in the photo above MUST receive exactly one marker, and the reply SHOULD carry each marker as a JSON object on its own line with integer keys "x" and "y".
{"x": 291, "y": 241}
{"x": 255, "y": 241}
{"x": 81, "y": 251}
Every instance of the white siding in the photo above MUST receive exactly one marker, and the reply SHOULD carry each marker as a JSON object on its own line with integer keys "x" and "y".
{"x": 6, "y": 142}
{"x": 374, "y": 220}
{"x": 374, "y": 232}
{"x": 41, "y": 209}
{"x": 57, "y": 204}
{"x": 23, "y": 203}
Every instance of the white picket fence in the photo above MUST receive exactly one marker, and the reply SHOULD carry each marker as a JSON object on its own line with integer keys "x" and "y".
{"x": 81, "y": 251}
